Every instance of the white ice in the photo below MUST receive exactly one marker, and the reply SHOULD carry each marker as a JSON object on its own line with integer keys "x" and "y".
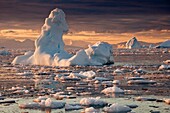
{"x": 165, "y": 44}
{"x": 49, "y": 47}
{"x": 116, "y": 108}
{"x": 133, "y": 43}
{"x": 4, "y": 52}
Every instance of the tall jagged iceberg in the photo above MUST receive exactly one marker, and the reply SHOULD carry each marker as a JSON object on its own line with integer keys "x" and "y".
{"x": 49, "y": 47}
{"x": 133, "y": 43}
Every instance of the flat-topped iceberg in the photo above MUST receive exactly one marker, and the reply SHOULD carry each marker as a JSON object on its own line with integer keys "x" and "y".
{"x": 49, "y": 47}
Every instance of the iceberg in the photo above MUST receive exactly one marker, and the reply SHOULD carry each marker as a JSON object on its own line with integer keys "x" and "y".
{"x": 133, "y": 43}
{"x": 165, "y": 44}
{"x": 49, "y": 47}
{"x": 4, "y": 52}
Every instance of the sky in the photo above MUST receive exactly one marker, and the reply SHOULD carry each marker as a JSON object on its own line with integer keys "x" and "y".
{"x": 112, "y": 21}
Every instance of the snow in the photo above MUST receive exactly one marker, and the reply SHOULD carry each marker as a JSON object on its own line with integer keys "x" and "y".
{"x": 165, "y": 44}
{"x": 49, "y": 47}
{"x": 133, "y": 43}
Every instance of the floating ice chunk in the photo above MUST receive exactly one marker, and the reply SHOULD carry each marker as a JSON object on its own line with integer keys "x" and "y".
{"x": 90, "y": 110}
{"x": 167, "y": 101}
{"x": 166, "y": 61}
{"x": 32, "y": 105}
{"x": 40, "y": 98}
{"x": 26, "y": 91}
{"x": 141, "y": 82}
{"x": 4, "y": 52}
{"x": 25, "y": 73}
{"x": 145, "y": 99}
{"x": 79, "y": 75}
{"x": 108, "y": 83}
{"x": 116, "y": 82}
{"x": 48, "y": 103}
{"x": 69, "y": 107}
{"x": 95, "y": 102}
{"x": 101, "y": 79}
{"x": 23, "y": 59}
{"x": 111, "y": 90}
{"x": 118, "y": 71}
{"x": 139, "y": 71}
{"x": 163, "y": 67}
{"x": 135, "y": 78}
{"x": 16, "y": 88}
{"x": 116, "y": 108}
{"x": 88, "y": 74}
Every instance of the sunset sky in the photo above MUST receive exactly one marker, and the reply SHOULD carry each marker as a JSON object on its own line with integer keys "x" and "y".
{"x": 113, "y": 21}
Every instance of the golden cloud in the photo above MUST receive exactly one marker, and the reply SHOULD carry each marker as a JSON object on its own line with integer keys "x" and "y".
{"x": 92, "y": 36}
{"x": 19, "y": 34}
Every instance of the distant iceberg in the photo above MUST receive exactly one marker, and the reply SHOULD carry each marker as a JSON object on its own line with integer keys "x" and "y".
{"x": 4, "y": 52}
{"x": 165, "y": 44}
{"x": 133, "y": 43}
{"x": 49, "y": 47}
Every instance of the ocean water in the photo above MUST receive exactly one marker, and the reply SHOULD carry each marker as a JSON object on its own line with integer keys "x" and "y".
{"x": 143, "y": 106}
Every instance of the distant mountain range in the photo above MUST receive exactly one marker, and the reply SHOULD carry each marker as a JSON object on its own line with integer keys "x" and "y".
{"x": 70, "y": 44}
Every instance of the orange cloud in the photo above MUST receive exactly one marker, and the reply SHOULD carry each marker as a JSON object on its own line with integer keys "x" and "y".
{"x": 92, "y": 36}
{"x": 19, "y": 34}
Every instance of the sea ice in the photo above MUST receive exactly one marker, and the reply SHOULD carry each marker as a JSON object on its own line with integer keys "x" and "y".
{"x": 111, "y": 90}
{"x": 116, "y": 108}
{"x": 95, "y": 102}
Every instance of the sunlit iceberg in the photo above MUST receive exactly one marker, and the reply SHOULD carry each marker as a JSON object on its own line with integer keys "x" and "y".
{"x": 49, "y": 47}
{"x": 133, "y": 43}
